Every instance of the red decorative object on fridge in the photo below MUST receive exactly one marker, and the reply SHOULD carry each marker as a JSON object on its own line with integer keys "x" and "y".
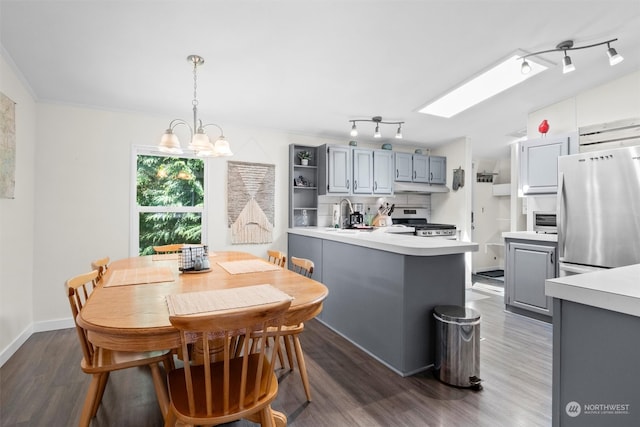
{"x": 543, "y": 127}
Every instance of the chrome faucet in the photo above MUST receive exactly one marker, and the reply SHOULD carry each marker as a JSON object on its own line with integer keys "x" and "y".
{"x": 350, "y": 211}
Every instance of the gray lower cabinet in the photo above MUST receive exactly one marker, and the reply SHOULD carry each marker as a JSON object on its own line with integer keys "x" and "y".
{"x": 528, "y": 265}
{"x": 383, "y": 301}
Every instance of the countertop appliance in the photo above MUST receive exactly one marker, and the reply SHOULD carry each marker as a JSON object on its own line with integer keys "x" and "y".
{"x": 598, "y": 210}
{"x": 545, "y": 222}
{"x": 416, "y": 218}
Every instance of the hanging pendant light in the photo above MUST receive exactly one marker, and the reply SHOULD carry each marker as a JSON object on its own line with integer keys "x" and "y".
{"x": 200, "y": 142}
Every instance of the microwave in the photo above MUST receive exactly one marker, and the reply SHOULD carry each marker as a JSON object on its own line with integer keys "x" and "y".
{"x": 545, "y": 222}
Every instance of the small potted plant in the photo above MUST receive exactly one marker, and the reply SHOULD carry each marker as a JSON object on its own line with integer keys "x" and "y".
{"x": 304, "y": 157}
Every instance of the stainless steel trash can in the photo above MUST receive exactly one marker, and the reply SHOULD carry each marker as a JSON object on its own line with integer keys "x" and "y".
{"x": 457, "y": 346}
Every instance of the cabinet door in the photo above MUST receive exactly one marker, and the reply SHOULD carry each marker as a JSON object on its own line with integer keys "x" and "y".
{"x": 539, "y": 164}
{"x": 420, "y": 168}
{"x": 339, "y": 170}
{"x": 382, "y": 172}
{"x": 403, "y": 167}
{"x": 528, "y": 266}
{"x": 437, "y": 170}
{"x": 362, "y": 171}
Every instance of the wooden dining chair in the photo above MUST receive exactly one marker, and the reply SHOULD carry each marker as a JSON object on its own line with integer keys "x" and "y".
{"x": 277, "y": 258}
{"x": 168, "y": 249}
{"x": 240, "y": 383}
{"x": 290, "y": 333}
{"x": 102, "y": 265}
{"x": 99, "y": 362}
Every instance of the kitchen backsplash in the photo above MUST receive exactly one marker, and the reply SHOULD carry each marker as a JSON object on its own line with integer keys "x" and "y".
{"x": 325, "y": 204}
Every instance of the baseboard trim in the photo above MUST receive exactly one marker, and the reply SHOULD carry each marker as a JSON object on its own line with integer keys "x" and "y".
{"x": 49, "y": 325}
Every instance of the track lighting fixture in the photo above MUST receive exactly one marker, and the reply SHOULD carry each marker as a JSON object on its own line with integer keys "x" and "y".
{"x": 567, "y": 64}
{"x": 377, "y": 120}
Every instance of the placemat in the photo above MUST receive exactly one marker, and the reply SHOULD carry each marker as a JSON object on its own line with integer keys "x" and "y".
{"x": 224, "y": 299}
{"x": 136, "y": 276}
{"x": 248, "y": 266}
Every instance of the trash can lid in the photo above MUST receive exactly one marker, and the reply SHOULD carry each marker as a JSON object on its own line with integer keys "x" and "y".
{"x": 456, "y": 313}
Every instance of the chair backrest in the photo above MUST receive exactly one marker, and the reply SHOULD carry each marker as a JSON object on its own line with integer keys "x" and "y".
{"x": 302, "y": 266}
{"x": 79, "y": 289}
{"x": 168, "y": 249}
{"x": 240, "y": 379}
{"x": 102, "y": 265}
{"x": 277, "y": 257}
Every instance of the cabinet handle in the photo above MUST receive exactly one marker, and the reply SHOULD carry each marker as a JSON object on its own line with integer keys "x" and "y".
{"x": 414, "y": 174}
{"x": 551, "y": 257}
{"x": 355, "y": 185}
{"x": 347, "y": 184}
{"x": 375, "y": 185}
{"x": 397, "y": 173}
{"x": 431, "y": 176}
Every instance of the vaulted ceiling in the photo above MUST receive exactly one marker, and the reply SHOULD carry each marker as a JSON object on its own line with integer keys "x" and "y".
{"x": 308, "y": 67}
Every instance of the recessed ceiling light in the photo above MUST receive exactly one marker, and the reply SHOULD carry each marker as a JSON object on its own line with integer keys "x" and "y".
{"x": 487, "y": 84}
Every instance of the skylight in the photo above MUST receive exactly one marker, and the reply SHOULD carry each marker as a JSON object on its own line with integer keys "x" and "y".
{"x": 493, "y": 81}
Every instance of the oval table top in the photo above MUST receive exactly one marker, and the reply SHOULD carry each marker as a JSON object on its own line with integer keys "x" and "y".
{"x": 135, "y": 317}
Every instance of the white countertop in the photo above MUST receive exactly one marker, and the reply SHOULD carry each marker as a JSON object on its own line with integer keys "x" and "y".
{"x": 617, "y": 289}
{"x": 530, "y": 235}
{"x": 400, "y": 243}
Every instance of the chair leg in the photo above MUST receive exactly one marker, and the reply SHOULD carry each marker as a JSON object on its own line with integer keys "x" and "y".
{"x": 89, "y": 401}
{"x": 104, "y": 378}
{"x": 289, "y": 350}
{"x": 266, "y": 417}
{"x": 280, "y": 356}
{"x": 161, "y": 388}
{"x": 302, "y": 367}
{"x": 170, "y": 419}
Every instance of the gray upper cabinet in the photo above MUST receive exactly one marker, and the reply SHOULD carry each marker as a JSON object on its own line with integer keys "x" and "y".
{"x": 539, "y": 163}
{"x": 420, "y": 168}
{"x": 383, "y": 169}
{"x": 334, "y": 175}
{"x": 403, "y": 167}
{"x": 362, "y": 171}
{"x": 437, "y": 170}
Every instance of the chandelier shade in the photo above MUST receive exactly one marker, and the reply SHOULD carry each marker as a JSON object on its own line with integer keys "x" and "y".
{"x": 200, "y": 142}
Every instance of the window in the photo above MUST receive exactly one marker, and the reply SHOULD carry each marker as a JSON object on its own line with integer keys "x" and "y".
{"x": 169, "y": 199}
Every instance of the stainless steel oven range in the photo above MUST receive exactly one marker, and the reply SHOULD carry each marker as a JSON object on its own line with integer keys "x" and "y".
{"x": 417, "y": 218}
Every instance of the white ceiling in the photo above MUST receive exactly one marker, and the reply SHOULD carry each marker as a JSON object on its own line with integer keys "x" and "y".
{"x": 308, "y": 67}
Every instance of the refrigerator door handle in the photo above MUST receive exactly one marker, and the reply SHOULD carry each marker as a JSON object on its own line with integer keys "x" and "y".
{"x": 562, "y": 233}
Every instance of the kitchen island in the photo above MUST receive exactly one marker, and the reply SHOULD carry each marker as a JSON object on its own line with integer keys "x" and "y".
{"x": 596, "y": 324}
{"x": 383, "y": 288}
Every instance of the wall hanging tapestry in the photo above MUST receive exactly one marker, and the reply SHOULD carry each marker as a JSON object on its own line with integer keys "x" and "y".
{"x": 7, "y": 147}
{"x": 251, "y": 202}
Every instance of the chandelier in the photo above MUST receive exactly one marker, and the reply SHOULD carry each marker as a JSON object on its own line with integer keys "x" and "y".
{"x": 200, "y": 142}
{"x": 567, "y": 64}
{"x": 377, "y": 120}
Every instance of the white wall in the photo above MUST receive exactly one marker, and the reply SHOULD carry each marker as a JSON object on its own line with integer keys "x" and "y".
{"x": 455, "y": 207}
{"x": 16, "y": 223}
{"x": 83, "y": 165}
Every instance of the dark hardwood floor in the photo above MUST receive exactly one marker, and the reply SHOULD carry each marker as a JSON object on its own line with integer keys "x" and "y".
{"x": 42, "y": 384}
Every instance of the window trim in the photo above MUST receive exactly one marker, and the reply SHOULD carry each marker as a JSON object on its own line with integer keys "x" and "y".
{"x": 134, "y": 210}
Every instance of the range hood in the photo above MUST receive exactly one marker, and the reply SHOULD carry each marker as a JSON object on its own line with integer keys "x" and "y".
{"x": 418, "y": 187}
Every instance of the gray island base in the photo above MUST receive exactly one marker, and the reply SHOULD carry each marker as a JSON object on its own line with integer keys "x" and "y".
{"x": 380, "y": 300}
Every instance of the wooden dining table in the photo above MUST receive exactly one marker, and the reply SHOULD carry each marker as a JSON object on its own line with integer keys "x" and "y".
{"x": 129, "y": 311}
{"x": 135, "y": 317}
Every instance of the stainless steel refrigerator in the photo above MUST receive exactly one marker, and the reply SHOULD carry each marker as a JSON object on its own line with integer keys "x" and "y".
{"x": 598, "y": 210}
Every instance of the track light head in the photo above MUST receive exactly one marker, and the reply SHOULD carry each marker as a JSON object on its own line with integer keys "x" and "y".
{"x": 567, "y": 65}
{"x": 377, "y": 133}
{"x": 614, "y": 56}
{"x": 354, "y": 130}
{"x": 525, "y": 68}
{"x": 399, "y": 132}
